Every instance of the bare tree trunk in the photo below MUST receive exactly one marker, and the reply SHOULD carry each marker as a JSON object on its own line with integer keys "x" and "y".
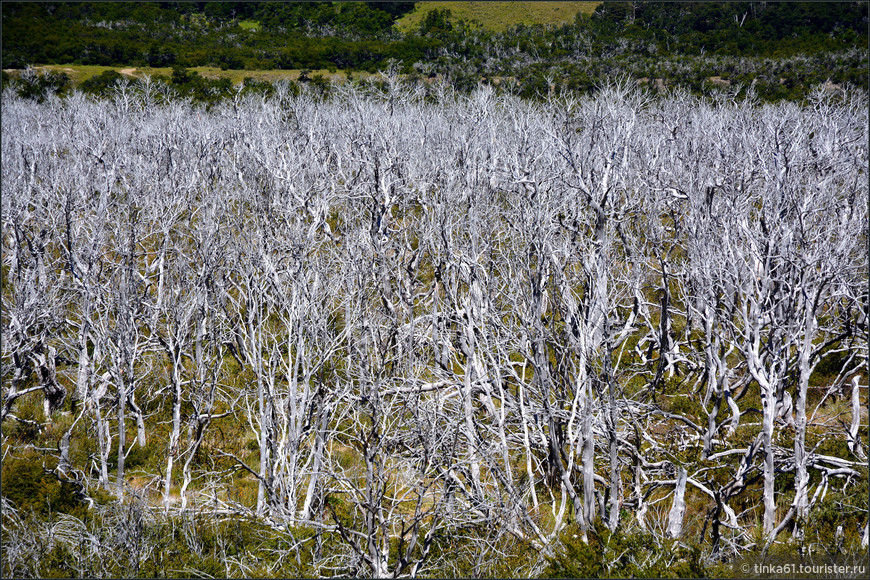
{"x": 588, "y": 457}
{"x": 715, "y": 381}
{"x": 801, "y": 477}
{"x": 765, "y": 377}
{"x": 678, "y": 508}
{"x": 530, "y": 472}
{"x": 854, "y": 440}
{"x": 81, "y": 391}
{"x": 317, "y": 452}
{"x": 471, "y": 376}
{"x": 186, "y": 474}
{"x": 641, "y": 507}
{"x": 768, "y": 409}
{"x": 175, "y": 433}
{"x": 264, "y": 445}
{"x": 105, "y": 443}
{"x": 613, "y": 436}
{"x": 122, "y": 432}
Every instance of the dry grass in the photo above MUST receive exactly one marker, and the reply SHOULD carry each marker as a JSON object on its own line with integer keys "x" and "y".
{"x": 79, "y": 73}
{"x": 499, "y": 16}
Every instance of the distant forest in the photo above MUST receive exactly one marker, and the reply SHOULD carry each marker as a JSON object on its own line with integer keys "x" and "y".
{"x": 784, "y": 48}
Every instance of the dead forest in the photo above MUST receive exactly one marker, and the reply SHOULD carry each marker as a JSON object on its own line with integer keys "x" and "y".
{"x": 403, "y": 331}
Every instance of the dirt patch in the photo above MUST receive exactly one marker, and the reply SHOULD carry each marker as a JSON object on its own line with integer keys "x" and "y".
{"x": 658, "y": 84}
{"x": 130, "y": 72}
{"x": 833, "y": 87}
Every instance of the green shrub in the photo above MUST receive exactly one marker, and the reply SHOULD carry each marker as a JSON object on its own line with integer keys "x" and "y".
{"x": 101, "y": 83}
{"x": 621, "y": 555}
{"x": 30, "y": 486}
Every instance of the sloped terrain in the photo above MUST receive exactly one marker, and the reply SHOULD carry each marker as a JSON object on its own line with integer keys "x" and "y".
{"x": 499, "y": 16}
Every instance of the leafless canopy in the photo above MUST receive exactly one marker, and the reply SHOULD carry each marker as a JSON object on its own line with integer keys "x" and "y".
{"x": 399, "y": 315}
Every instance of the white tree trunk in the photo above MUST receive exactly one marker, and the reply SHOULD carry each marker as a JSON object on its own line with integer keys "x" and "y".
{"x": 678, "y": 507}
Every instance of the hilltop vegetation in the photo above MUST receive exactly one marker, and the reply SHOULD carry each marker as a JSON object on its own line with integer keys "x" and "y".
{"x": 499, "y": 16}
{"x": 784, "y": 49}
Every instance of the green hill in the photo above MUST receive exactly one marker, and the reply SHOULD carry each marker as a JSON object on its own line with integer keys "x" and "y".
{"x": 499, "y": 16}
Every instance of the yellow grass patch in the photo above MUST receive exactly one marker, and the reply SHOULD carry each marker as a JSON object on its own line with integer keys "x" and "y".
{"x": 499, "y": 16}
{"x": 79, "y": 73}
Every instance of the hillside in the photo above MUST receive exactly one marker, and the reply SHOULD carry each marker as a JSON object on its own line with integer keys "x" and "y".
{"x": 782, "y": 49}
{"x": 499, "y": 16}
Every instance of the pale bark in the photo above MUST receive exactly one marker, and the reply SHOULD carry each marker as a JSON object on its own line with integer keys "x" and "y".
{"x": 678, "y": 507}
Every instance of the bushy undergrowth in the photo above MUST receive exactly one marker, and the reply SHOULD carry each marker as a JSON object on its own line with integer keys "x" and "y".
{"x": 621, "y": 554}
{"x": 130, "y": 539}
